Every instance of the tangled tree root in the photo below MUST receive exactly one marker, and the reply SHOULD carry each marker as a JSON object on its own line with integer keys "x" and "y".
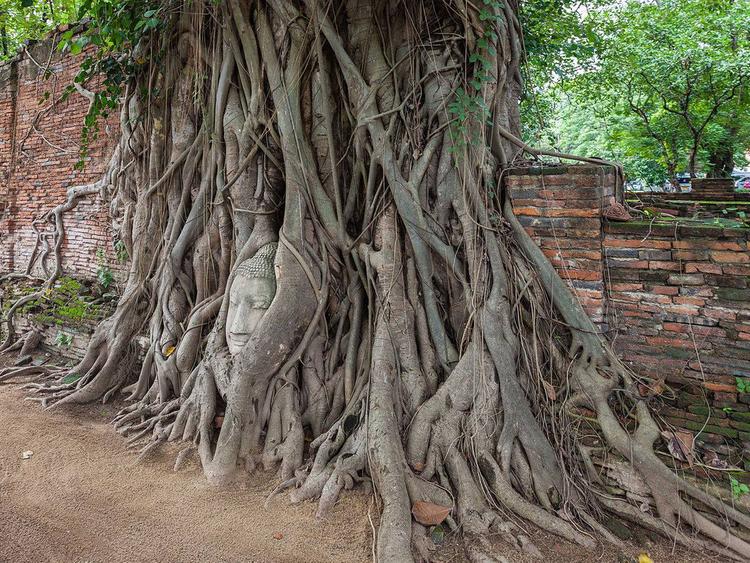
{"x": 418, "y": 340}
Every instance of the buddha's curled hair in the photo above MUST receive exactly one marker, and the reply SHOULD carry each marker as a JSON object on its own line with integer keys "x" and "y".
{"x": 261, "y": 263}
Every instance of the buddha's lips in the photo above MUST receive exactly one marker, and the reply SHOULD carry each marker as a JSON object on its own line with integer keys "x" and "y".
{"x": 239, "y": 338}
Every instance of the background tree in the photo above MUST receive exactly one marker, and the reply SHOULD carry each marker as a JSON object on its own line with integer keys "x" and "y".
{"x": 334, "y": 284}
{"x": 21, "y": 20}
{"x": 682, "y": 68}
{"x": 648, "y": 154}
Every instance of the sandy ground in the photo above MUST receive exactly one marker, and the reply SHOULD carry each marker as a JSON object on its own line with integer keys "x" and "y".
{"x": 81, "y": 498}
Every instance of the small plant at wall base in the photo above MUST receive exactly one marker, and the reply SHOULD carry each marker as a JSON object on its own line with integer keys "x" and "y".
{"x": 103, "y": 272}
{"x": 738, "y": 489}
{"x": 71, "y": 378}
{"x": 63, "y": 340}
{"x": 743, "y": 384}
{"x": 121, "y": 252}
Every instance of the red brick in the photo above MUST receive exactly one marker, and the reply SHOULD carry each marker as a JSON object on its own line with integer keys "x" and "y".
{"x": 581, "y": 275}
{"x": 702, "y": 267}
{"x": 637, "y": 243}
{"x": 721, "y": 387}
{"x": 628, "y": 263}
{"x": 730, "y": 257}
{"x": 664, "y": 290}
{"x": 726, "y": 245}
{"x": 663, "y": 265}
{"x": 630, "y": 287}
{"x": 689, "y": 301}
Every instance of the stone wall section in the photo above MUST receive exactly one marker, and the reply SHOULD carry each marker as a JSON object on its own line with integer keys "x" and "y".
{"x": 40, "y": 137}
{"x": 561, "y": 208}
{"x": 680, "y": 311}
{"x": 674, "y": 300}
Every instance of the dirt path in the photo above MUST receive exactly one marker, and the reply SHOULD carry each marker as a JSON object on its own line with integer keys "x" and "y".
{"x": 80, "y": 498}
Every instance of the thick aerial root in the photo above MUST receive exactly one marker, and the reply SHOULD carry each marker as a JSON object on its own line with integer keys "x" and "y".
{"x": 594, "y": 374}
{"x": 633, "y": 514}
{"x": 24, "y": 346}
{"x": 668, "y": 490}
{"x": 39, "y": 372}
{"x": 388, "y": 464}
{"x": 414, "y": 336}
{"x": 345, "y": 439}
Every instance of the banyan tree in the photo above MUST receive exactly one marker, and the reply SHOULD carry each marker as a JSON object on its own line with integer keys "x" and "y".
{"x": 334, "y": 287}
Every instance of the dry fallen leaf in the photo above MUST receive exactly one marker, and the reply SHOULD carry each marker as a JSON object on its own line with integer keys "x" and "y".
{"x": 429, "y": 513}
{"x": 278, "y": 536}
{"x": 712, "y": 459}
{"x": 27, "y": 454}
{"x": 551, "y": 395}
{"x": 653, "y": 389}
{"x": 680, "y": 445}
{"x": 169, "y": 351}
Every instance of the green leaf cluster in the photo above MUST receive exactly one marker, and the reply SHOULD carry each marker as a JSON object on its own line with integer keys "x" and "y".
{"x": 738, "y": 489}
{"x": 23, "y": 20}
{"x": 660, "y": 86}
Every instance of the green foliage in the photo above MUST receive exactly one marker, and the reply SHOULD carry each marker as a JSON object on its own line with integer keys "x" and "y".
{"x": 68, "y": 303}
{"x": 468, "y": 108}
{"x": 103, "y": 272}
{"x": 23, "y": 20}
{"x": 559, "y": 35}
{"x": 592, "y": 130}
{"x": 738, "y": 489}
{"x": 437, "y": 534}
{"x": 678, "y": 68}
{"x": 121, "y": 252}
{"x": 63, "y": 339}
{"x": 743, "y": 384}
{"x": 115, "y": 35}
{"x": 657, "y": 86}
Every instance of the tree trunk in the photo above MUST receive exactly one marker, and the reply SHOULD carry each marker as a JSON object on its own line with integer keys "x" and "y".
{"x": 722, "y": 157}
{"x": 408, "y": 339}
{"x": 693, "y": 157}
{"x": 672, "y": 176}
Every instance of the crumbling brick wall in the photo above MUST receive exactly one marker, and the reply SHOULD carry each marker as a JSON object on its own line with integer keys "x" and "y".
{"x": 39, "y": 145}
{"x": 680, "y": 311}
{"x": 561, "y": 208}
{"x": 675, "y": 300}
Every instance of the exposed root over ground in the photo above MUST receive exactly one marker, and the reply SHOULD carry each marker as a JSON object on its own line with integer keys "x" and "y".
{"x": 330, "y": 174}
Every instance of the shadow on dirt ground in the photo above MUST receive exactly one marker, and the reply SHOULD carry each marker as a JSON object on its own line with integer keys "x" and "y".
{"x": 81, "y": 497}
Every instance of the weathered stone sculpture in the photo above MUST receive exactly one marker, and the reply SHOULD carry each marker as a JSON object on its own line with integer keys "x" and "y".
{"x": 250, "y": 295}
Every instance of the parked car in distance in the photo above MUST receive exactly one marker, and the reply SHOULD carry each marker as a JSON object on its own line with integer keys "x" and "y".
{"x": 741, "y": 179}
{"x": 684, "y": 181}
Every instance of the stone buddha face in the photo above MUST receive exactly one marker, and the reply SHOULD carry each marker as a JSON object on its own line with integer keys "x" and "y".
{"x": 250, "y": 295}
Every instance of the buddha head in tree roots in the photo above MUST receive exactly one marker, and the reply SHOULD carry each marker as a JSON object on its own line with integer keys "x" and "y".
{"x": 250, "y": 295}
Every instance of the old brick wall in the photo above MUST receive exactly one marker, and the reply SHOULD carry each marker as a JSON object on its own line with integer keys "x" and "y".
{"x": 561, "y": 209}
{"x": 39, "y": 146}
{"x": 680, "y": 310}
{"x": 674, "y": 300}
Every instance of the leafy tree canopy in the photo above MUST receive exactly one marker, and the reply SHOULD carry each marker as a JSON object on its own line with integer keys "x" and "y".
{"x": 677, "y": 72}
{"x": 21, "y": 20}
